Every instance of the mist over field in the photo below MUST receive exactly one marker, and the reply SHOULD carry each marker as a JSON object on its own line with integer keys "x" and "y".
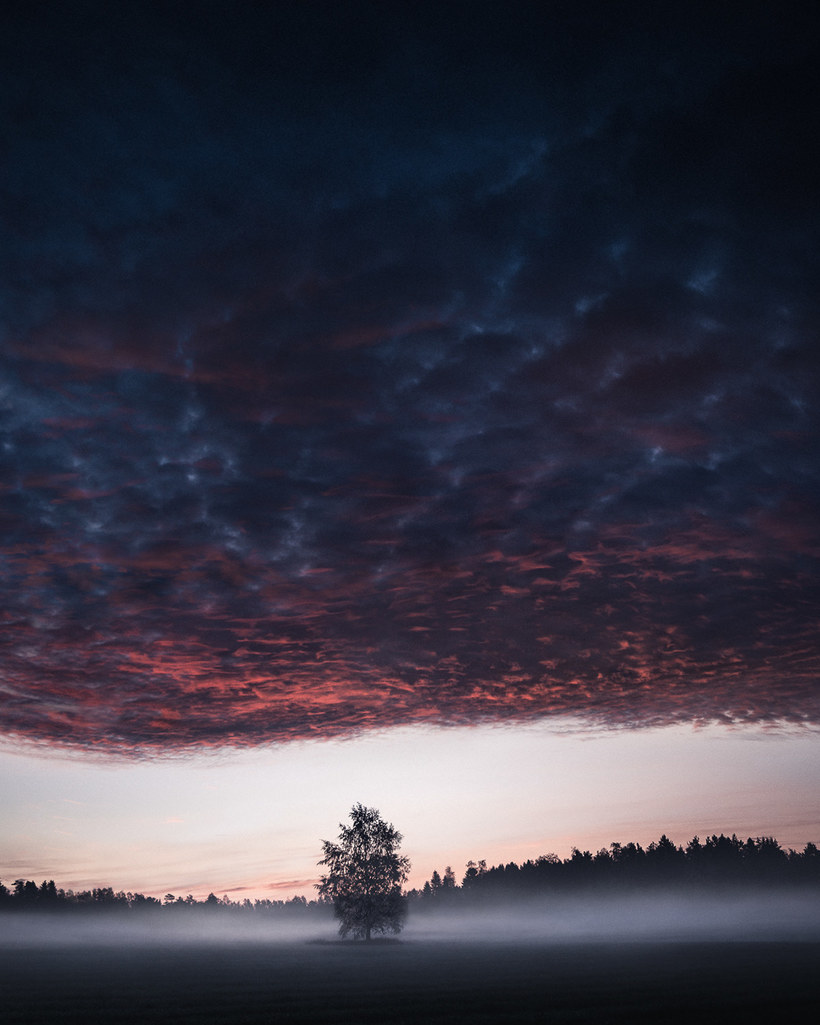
{"x": 125, "y": 927}
{"x": 631, "y": 957}
{"x": 746, "y": 915}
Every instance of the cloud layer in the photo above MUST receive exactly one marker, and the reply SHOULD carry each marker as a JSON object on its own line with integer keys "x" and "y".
{"x": 413, "y": 373}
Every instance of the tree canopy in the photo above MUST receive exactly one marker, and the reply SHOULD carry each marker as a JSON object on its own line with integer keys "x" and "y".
{"x": 365, "y": 875}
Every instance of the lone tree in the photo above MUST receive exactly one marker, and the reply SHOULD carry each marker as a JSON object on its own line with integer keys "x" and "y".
{"x": 365, "y": 875}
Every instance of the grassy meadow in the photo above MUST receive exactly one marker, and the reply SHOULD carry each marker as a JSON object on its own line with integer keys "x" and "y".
{"x": 407, "y": 981}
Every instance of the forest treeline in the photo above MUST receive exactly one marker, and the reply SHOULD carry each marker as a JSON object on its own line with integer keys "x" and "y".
{"x": 718, "y": 861}
{"x": 27, "y": 895}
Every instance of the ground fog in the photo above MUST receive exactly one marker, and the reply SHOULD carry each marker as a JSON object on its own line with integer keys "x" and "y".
{"x": 743, "y": 915}
{"x": 661, "y": 958}
{"x": 668, "y": 915}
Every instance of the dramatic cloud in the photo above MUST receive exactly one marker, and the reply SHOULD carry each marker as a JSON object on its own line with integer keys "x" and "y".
{"x": 362, "y": 370}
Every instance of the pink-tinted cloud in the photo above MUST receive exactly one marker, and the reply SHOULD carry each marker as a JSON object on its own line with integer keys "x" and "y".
{"x": 226, "y": 653}
{"x": 497, "y": 408}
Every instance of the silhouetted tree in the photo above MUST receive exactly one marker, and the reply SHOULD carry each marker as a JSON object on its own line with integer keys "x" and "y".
{"x": 25, "y": 891}
{"x": 664, "y": 860}
{"x": 47, "y": 896}
{"x": 473, "y": 873}
{"x": 365, "y": 875}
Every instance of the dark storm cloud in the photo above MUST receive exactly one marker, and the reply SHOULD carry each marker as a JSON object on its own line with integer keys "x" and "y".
{"x": 405, "y": 370}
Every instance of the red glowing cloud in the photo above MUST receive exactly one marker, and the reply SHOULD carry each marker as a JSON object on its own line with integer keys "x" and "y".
{"x": 328, "y": 404}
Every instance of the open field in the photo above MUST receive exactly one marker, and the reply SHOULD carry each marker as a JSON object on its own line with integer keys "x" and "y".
{"x": 411, "y": 981}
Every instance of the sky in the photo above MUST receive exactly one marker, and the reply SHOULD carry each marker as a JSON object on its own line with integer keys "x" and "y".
{"x": 407, "y": 404}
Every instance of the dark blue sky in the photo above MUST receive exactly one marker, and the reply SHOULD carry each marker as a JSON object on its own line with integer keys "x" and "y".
{"x": 380, "y": 364}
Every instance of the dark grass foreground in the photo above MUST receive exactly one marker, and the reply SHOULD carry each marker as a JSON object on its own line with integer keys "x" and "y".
{"x": 411, "y": 982}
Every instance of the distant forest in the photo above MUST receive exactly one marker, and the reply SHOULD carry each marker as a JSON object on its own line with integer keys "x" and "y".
{"x": 717, "y": 862}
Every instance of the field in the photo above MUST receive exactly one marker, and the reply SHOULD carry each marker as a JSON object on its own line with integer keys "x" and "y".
{"x": 410, "y": 981}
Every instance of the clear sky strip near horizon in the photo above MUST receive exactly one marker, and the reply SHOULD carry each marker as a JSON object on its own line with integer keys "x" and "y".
{"x": 441, "y": 371}
{"x": 249, "y": 823}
